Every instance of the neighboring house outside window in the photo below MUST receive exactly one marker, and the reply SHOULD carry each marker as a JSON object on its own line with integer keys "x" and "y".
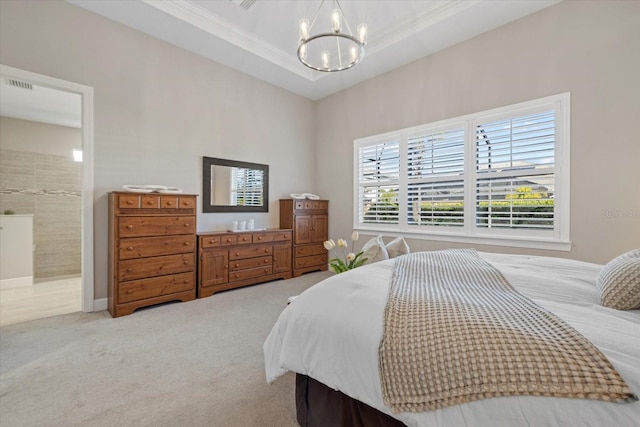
{"x": 497, "y": 177}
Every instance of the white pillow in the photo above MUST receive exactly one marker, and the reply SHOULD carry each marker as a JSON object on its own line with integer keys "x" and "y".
{"x": 397, "y": 247}
{"x": 374, "y": 250}
{"x": 619, "y": 282}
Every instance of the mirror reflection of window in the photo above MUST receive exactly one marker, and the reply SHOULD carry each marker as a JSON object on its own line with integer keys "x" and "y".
{"x": 246, "y": 187}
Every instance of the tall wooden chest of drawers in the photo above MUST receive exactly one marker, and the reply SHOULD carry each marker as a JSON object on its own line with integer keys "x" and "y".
{"x": 152, "y": 250}
{"x": 228, "y": 260}
{"x": 309, "y": 220}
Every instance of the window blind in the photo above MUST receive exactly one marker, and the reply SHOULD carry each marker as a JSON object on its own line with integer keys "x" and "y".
{"x": 515, "y": 164}
{"x": 246, "y": 186}
{"x": 435, "y": 172}
{"x": 378, "y": 180}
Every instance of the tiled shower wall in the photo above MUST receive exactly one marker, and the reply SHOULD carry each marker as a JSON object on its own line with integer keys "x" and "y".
{"x": 49, "y": 187}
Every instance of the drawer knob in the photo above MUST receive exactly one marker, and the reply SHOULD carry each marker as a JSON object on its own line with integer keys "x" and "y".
{"x": 186, "y": 262}
{"x": 186, "y": 224}
{"x": 266, "y": 251}
{"x": 129, "y": 202}
{"x": 237, "y": 253}
{"x": 129, "y": 291}
{"x": 266, "y": 270}
{"x": 228, "y": 240}
{"x": 130, "y": 227}
{"x": 150, "y": 202}
{"x": 266, "y": 261}
{"x": 259, "y": 237}
{"x": 237, "y": 265}
{"x": 237, "y": 276}
{"x": 169, "y": 203}
{"x": 186, "y": 203}
{"x": 212, "y": 241}
{"x": 186, "y": 281}
{"x": 186, "y": 243}
{"x": 244, "y": 238}
{"x": 129, "y": 270}
{"x": 130, "y": 248}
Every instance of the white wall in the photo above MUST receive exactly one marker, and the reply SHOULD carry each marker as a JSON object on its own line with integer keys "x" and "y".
{"x": 591, "y": 49}
{"x": 159, "y": 109}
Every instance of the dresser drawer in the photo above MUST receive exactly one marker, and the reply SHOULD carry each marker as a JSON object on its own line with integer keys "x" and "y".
{"x": 309, "y": 250}
{"x": 281, "y": 236}
{"x": 311, "y": 205}
{"x": 129, "y": 201}
{"x": 187, "y": 202}
{"x": 245, "y": 239}
{"x": 149, "y": 202}
{"x": 243, "y": 264}
{"x": 155, "y": 226}
{"x": 209, "y": 241}
{"x": 310, "y": 261}
{"x": 250, "y": 274}
{"x": 148, "y": 288}
{"x": 157, "y": 266}
{"x": 250, "y": 252}
{"x": 169, "y": 202}
{"x": 142, "y": 247}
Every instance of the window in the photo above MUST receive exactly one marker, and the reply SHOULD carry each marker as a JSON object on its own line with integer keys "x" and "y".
{"x": 495, "y": 177}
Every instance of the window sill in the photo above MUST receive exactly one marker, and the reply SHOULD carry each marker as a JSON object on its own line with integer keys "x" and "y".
{"x": 515, "y": 242}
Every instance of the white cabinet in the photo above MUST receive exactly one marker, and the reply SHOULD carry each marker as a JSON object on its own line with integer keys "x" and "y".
{"x": 16, "y": 246}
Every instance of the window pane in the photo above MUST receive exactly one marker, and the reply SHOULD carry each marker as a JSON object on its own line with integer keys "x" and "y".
{"x": 523, "y": 202}
{"x": 379, "y": 168}
{"x": 521, "y": 142}
{"x": 379, "y": 205}
{"x": 439, "y": 203}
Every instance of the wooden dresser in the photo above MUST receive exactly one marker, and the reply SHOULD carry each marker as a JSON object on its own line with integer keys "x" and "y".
{"x": 228, "y": 260}
{"x": 309, "y": 220}
{"x": 152, "y": 247}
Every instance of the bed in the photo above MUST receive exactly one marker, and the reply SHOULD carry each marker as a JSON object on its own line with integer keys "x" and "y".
{"x": 331, "y": 333}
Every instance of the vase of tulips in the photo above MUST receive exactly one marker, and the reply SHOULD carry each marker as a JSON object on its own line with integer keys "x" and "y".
{"x": 349, "y": 260}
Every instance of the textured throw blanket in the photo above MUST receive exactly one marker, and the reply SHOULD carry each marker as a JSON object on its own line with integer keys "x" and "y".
{"x": 455, "y": 331}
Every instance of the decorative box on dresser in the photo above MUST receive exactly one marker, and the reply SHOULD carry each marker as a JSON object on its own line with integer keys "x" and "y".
{"x": 309, "y": 220}
{"x": 152, "y": 250}
{"x": 228, "y": 260}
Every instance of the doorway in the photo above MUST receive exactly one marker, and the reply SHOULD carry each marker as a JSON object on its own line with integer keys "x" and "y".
{"x": 82, "y": 206}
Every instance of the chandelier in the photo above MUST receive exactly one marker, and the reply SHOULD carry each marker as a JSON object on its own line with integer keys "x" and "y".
{"x": 333, "y": 50}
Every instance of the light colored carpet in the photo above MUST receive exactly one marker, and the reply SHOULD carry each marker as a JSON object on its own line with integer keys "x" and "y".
{"x": 198, "y": 363}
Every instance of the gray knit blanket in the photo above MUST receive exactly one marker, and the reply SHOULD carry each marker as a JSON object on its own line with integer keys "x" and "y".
{"x": 455, "y": 331}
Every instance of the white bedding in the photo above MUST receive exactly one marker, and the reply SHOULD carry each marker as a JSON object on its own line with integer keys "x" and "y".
{"x": 332, "y": 331}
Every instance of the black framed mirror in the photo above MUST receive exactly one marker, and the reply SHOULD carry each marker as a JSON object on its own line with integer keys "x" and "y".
{"x": 233, "y": 186}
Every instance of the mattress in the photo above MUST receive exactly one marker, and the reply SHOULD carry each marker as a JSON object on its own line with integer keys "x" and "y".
{"x": 332, "y": 331}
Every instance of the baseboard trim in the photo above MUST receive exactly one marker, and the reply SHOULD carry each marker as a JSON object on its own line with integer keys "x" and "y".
{"x": 100, "y": 304}
{"x": 18, "y": 282}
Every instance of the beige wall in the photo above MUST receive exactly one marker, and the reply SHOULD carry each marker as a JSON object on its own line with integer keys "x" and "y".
{"x": 588, "y": 48}
{"x": 159, "y": 109}
{"x": 39, "y": 176}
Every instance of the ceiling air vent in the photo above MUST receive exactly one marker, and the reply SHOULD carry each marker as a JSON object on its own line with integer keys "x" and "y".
{"x": 18, "y": 83}
{"x": 245, "y": 4}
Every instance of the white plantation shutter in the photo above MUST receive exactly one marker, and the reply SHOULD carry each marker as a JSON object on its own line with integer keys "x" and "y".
{"x": 515, "y": 164}
{"x": 498, "y": 177}
{"x": 435, "y": 178}
{"x": 378, "y": 180}
{"x": 246, "y": 186}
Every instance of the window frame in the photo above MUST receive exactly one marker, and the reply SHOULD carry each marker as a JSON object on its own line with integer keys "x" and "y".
{"x": 556, "y": 239}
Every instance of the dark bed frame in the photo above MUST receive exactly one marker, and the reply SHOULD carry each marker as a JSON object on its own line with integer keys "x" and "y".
{"x": 320, "y": 406}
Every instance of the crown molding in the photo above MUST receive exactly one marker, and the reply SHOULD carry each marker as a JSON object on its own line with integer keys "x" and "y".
{"x": 416, "y": 23}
